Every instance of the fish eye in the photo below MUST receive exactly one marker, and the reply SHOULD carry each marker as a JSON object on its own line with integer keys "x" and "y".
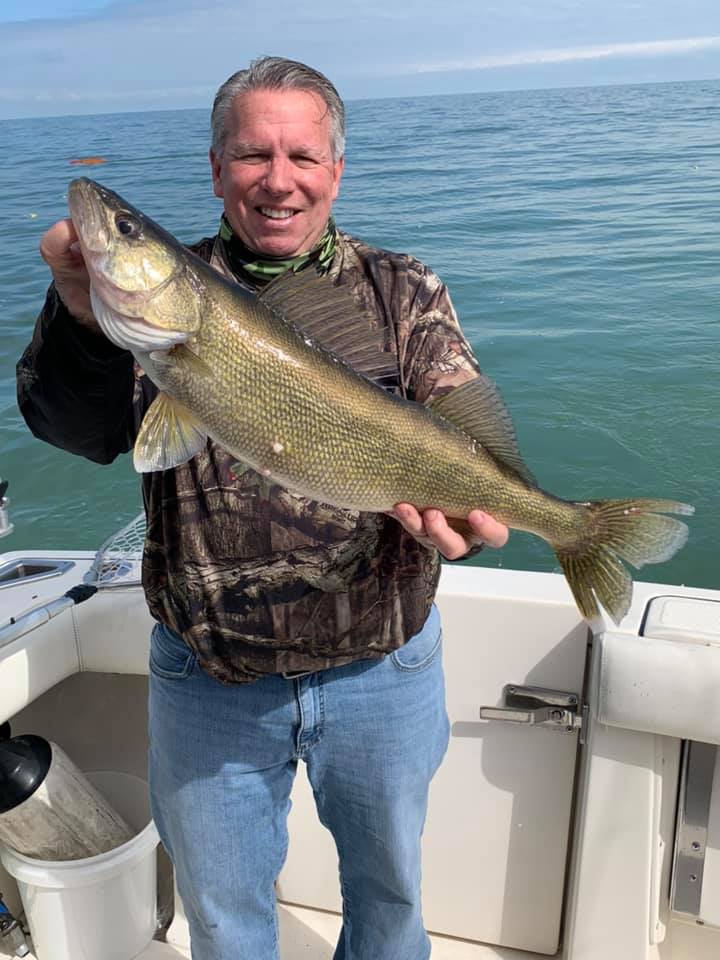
{"x": 127, "y": 224}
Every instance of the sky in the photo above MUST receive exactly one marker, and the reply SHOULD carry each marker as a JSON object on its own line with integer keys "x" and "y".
{"x": 61, "y": 57}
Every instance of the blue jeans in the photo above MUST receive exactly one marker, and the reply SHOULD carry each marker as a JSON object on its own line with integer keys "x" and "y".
{"x": 222, "y": 762}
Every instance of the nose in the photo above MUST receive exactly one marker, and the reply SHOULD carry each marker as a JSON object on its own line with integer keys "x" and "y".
{"x": 278, "y": 176}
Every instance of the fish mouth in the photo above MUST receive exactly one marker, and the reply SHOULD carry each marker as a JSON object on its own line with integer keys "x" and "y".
{"x": 119, "y": 311}
{"x": 88, "y": 203}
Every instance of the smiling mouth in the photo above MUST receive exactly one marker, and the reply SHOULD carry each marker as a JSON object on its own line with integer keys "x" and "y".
{"x": 275, "y": 213}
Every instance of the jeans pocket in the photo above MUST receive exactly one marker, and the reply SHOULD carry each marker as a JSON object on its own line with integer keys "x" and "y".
{"x": 420, "y": 650}
{"x": 170, "y": 657}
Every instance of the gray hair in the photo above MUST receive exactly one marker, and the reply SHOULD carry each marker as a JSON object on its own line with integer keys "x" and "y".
{"x": 277, "y": 73}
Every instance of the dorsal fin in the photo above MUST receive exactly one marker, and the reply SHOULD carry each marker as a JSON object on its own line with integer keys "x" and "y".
{"x": 477, "y": 408}
{"x": 329, "y": 317}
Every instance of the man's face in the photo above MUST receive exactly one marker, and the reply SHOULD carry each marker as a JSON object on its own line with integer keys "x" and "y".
{"x": 276, "y": 174}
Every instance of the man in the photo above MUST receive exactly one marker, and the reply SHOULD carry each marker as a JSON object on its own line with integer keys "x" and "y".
{"x": 287, "y": 629}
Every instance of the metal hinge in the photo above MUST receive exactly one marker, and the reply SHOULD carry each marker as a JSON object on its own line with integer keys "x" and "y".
{"x": 697, "y": 769}
{"x": 537, "y": 706}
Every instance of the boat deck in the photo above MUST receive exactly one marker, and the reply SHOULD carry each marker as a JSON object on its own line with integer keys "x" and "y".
{"x": 311, "y": 935}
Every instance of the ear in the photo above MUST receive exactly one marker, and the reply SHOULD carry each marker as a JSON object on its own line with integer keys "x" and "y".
{"x": 216, "y": 167}
{"x": 337, "y": 175}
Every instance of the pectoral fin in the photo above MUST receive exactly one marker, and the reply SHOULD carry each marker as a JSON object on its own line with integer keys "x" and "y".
{"x": 182, "y": 357}
{"x": 169, "y": 435}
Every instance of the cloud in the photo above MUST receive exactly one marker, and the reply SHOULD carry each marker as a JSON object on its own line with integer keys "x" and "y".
{"x": 648, "y": 48}
{"x": 141, "y": 54}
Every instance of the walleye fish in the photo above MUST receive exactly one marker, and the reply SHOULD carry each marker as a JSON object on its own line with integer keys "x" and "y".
{"x": 282, "y": 380}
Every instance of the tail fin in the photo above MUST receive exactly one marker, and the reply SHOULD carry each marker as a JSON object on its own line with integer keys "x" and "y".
{"x": 630, "y": 530}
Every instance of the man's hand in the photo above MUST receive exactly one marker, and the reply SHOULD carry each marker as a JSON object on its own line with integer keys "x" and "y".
{"x": 431, "y": 527}
{"x": 60, "y": 249}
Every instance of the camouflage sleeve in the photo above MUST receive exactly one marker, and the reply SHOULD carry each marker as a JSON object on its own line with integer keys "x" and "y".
{"x": 74, "y": 387}
{"x": 437, "y": 356}
{"x": 77, "y": 390}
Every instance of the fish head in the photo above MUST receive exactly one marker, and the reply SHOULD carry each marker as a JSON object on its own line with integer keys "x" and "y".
{"x": 142, "y": 292}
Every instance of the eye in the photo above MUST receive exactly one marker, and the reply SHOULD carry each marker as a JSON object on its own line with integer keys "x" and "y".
{"x": 127, "y": 224}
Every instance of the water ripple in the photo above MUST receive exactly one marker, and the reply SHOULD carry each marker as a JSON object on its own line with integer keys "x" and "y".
{"x": 577, "y": 230}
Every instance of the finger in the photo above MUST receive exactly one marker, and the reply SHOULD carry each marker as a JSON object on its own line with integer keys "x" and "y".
{"x": 56, "y": 244}
{"x": 409, "y": 518}
{"x": 450, "y": 543}
{"x": 488, "y": 529}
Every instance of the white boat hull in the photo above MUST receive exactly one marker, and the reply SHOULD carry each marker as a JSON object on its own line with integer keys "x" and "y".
{"x": 536, "y": 843}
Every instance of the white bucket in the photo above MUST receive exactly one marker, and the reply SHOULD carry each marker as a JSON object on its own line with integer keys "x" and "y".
{"x": 102, "y": 907}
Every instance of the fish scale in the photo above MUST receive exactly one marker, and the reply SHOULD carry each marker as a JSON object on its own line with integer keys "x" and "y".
{"x": 335, "y": 431}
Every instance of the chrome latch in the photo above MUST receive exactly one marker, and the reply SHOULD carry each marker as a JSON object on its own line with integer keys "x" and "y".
{"x": 537, "y": 706}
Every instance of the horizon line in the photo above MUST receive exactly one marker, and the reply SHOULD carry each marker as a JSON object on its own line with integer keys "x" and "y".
{"x": 580, "y": 85}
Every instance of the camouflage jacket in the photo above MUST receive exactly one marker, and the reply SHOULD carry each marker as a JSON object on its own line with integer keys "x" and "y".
{"x": 256, "y": 579}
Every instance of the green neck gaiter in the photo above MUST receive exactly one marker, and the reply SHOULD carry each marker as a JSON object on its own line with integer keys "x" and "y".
{"x": 262, "y": 269}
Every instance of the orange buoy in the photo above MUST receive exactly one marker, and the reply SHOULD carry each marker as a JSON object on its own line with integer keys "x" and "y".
{"x": 88, "y": 161}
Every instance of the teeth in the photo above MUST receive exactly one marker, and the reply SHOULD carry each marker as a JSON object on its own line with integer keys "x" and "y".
{"x": 276, "y": 214}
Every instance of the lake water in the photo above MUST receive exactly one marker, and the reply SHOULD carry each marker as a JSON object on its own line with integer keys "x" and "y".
{"x": 577, "y": 231}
